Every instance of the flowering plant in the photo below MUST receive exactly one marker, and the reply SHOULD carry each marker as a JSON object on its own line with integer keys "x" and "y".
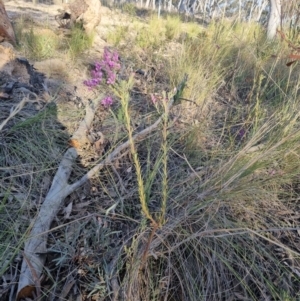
{"x": 105, "y": 69}
{"x": 160, "y": 101}
{"x": 107, "y": 101}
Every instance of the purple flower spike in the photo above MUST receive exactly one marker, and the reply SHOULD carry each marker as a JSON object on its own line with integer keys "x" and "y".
{"x": 241, "y": 133}
{"x": 107, "y": 69}
{"x": 107, "y": 102}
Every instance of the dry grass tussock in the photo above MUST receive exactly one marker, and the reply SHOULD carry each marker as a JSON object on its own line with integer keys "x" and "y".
{"x": 205, "y": 208}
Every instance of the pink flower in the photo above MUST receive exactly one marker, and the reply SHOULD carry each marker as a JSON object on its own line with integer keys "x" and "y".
{"x": 105, "y": 69}
{"x": 153, "y": 98}
{"x": 107, "y": 101}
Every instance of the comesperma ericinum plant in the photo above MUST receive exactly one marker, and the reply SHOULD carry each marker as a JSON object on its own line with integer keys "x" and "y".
{"x": 105, "y": 72}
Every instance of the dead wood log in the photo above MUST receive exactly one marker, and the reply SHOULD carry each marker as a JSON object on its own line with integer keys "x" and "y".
{"x": 86, "y": 12}
{"x": 6, "y": 29}
{"x": 35, "y": 246}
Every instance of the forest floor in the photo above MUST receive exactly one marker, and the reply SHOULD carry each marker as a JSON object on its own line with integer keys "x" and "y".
{"x": 203, "y": 207}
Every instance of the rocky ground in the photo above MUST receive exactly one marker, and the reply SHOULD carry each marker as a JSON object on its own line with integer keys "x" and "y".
{"x": 63, "y": 76}
{"x": 57, "y": 70}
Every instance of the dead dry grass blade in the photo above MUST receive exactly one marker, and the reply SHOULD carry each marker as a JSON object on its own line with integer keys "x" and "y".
{"x": 15, "y": 110}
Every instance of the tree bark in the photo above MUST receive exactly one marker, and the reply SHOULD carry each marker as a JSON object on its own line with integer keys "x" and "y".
{"x": 6, "y": 29}
{"x": 274, "y": 18}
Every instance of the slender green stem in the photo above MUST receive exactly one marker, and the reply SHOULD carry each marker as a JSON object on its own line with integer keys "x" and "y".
{"x": 124, "y": 96}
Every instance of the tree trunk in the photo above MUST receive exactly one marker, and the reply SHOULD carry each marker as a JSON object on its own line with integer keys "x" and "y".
{"x": 6, "y": 29}
{"x": 274, "y": 18}
{"x": 159, "y": 8}
{"x": 240, "y": 11}
{"x": 260, "y": 10}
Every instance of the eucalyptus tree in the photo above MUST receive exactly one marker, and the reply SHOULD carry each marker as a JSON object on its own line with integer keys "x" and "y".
{"x": 274, "y": 18}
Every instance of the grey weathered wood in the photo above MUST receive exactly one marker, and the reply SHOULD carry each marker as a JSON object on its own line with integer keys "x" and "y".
{"x": 274, "y": 18}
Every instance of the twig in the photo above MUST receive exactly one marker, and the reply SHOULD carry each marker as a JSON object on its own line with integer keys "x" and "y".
{"x": 189, "y": 100}
{"x": 144, "y": 258}
{"x": 123, "y": 189}
{"x": 195, "y": 174}
{"x": 255, "y": 148}
{"x": 12, "y": 290}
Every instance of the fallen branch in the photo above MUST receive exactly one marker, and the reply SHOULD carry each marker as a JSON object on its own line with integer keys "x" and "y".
{"x": 35, "y": 246}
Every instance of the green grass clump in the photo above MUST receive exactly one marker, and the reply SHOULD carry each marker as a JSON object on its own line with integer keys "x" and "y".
{"x": 116, "y": 36}
{"x": 39, "y": 44}
{"x": 217, "y": 241}
{"x": 79, "y": 41}
{"x": 42, "y": 43}
{"x": 151, "y": 37}
{"x": 30, "y": 151}
{"x": 193, "y": 30}
{"x": 173, "y": 27}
